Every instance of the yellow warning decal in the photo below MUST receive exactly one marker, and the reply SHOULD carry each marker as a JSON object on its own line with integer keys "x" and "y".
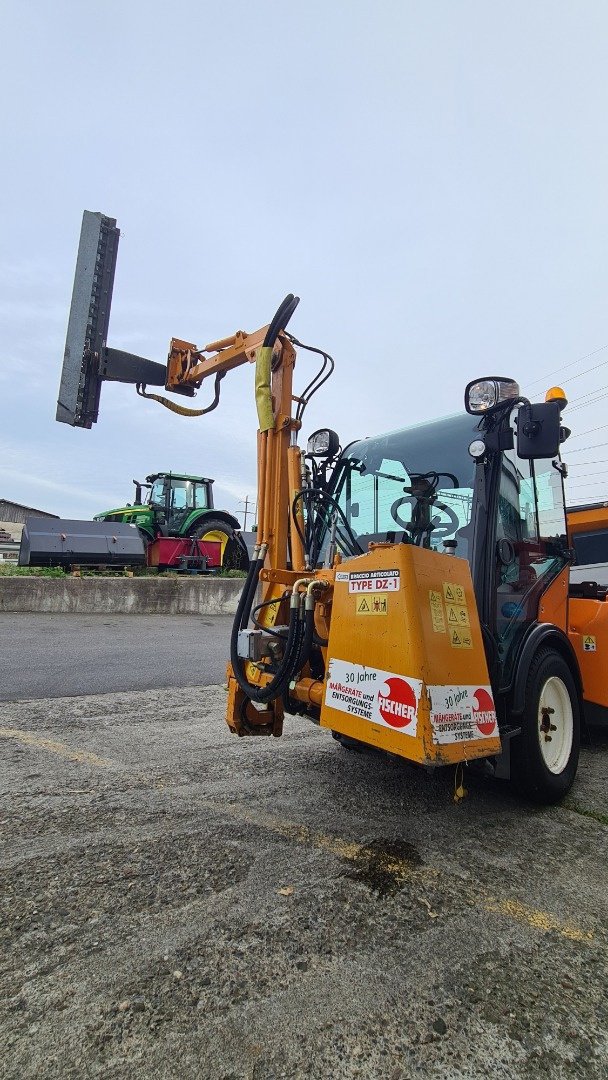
{"x": 437, "y": 613}
{"x": 454, "y": 594}
{"x": 589, "y": 643}
{"x": 460, "y": 638}
{"x": 457, "y": 615}
{"x": 372, "y": 605}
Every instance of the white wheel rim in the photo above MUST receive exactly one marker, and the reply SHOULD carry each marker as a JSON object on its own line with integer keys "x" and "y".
{"x": 555, "y": 725}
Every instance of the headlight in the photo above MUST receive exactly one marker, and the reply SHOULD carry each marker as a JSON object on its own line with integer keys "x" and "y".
{"x": 323, "y": 443}
{"x": 484, "y": 394}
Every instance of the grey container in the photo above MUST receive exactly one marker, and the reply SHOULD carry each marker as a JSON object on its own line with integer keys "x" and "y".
{"x": 61, "y": 542}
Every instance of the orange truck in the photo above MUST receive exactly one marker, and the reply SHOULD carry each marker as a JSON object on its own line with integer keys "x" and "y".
{"x": 588, "y": 534}
{"x": 588, "y": 537}
{"x": 410, "y": 591}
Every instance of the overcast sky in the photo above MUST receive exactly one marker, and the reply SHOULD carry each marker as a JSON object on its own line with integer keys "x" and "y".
{"x": 430, "y": 178}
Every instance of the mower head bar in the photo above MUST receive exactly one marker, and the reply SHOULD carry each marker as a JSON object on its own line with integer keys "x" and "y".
{"x": 87, "y": 361}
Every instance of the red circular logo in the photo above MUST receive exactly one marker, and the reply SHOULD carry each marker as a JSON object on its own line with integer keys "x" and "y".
{"x": 398, "y": 707}
{"x": 483, "y": 711}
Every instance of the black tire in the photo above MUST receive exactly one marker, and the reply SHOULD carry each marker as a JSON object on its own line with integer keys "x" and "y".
{"x": 235, "y": 553}
{"x": 545, "y": 773}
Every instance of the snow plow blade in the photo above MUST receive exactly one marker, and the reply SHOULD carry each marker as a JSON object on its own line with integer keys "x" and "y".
{"x": 48, "y": 542}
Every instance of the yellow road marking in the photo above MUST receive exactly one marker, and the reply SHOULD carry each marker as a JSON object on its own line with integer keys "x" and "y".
{"x": 539, "y": 920}
{"x": 333, "y": 845}
{"x": 401, "y": 869}
{"x": 83, "y": 757}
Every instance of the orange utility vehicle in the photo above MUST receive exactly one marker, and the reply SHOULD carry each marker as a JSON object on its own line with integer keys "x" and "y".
{"x": 588, "y": 535}
{"x": 410, "y": 591}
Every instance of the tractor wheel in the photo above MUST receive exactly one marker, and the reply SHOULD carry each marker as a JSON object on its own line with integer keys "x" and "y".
{"x": 234, "y": 554}
{"x": 545, "y": 755}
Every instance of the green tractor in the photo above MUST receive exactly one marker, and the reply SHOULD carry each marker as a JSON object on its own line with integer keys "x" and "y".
{"x": 180, "y": 526}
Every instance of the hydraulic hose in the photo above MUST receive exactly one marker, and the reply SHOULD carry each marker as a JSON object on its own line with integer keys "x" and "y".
{"x": 273, "y": 689}
{"x": 263, "y": 364}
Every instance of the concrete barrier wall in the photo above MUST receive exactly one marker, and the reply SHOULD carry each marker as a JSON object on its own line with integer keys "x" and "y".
{"x": 122, "y": 596}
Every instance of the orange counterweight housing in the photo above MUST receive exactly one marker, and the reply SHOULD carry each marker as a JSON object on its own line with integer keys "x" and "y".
{"x": 406, "y": 667}
{"x": 588, "y": 633}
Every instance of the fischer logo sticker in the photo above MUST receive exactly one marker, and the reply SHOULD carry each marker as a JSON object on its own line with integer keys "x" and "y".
{"x": 382, "y": 697}
{"x": 589, "y": 643}
{"x": 374, "y": 581}
{"x": 462, "y": 713}
{"x": 371, "y": 605}
{"x": 484, "y": 713}
{"x": 397, "y": 707}
{"x": 341, "y": 575}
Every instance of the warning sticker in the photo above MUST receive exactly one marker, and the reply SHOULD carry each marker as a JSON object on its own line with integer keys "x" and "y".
{"x": 462, "y": 713}
{"x": 457, "y": 616}
{"x": 460, "y": 638}
{"x": 454, "y": 594}
{"x": 589, "y": 643}
{"x": 437, "y": 613}
{"x": 382, "y": 697}
{"x": 374, "y": 581}
{"x": 371, "y": 605}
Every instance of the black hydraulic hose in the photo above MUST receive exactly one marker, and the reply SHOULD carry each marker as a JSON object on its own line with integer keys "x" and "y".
{"x": 241, "y": 617}
{"x": 273, "y": 689}
{"x": 305, "y": 646}
{"x": 280, "y": 319}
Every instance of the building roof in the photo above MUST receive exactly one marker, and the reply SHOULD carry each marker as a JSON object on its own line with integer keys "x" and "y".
{"x": 23, "y": 511}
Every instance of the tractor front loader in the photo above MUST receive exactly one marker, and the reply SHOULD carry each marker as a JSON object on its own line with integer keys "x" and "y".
{"x": 409, "y": 592}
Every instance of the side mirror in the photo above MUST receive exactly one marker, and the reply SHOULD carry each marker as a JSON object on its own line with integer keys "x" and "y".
{"x": 539, "y": 430}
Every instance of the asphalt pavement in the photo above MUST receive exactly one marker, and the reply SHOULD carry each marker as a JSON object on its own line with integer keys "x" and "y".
{"x": 43, "y": 656}
{"x": 176, "y": 902}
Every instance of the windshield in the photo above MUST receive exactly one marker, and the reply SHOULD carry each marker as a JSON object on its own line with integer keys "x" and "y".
{"x": 414, "y": 485}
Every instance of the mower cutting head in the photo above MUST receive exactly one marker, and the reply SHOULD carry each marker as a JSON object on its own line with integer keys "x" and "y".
{"x": 81, "y": 379}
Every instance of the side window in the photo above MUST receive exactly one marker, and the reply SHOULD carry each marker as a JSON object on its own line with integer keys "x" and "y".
{"x": 178, "y": 497}
{"x": 370, "y": 496}
{"x": 531, "y": 516}
{"x": 551, "y": 514}
{"x": 200, "y": 497}
{"x": 591, "y": 547}
{"x": 157, "y": 493}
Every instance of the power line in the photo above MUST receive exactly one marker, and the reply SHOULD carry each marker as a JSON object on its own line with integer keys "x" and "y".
{"x": 586, "y": 464}
{"x": 587, "y": 403}
{"x": 602, "y": 473}
{"x": 593, "y": 483}
{"x": 575, "y": 400}
{"x": 602, "y": 427}
{"x": 565, "y": 367}
{"x": 583, "y": 449}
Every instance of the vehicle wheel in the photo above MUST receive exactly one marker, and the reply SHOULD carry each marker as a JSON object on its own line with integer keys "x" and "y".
{"x": 545, "y": 755}
{"x": 234, "y": 553}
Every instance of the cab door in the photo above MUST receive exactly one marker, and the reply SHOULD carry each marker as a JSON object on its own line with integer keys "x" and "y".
{"x": 530, "y": 550}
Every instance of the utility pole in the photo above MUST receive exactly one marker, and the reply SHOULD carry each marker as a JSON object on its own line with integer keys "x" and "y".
{"x": 247, "y": 511}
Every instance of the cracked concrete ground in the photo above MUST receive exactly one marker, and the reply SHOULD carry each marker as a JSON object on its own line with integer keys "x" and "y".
{"x": 177, "y": 902}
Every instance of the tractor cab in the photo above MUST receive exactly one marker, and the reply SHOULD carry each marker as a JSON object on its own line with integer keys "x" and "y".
{"x": 174, "y": 497}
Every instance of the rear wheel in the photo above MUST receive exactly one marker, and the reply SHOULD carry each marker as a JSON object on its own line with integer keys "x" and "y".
{"x": 545, "y": 755}
{"x": 233, "y": 552}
